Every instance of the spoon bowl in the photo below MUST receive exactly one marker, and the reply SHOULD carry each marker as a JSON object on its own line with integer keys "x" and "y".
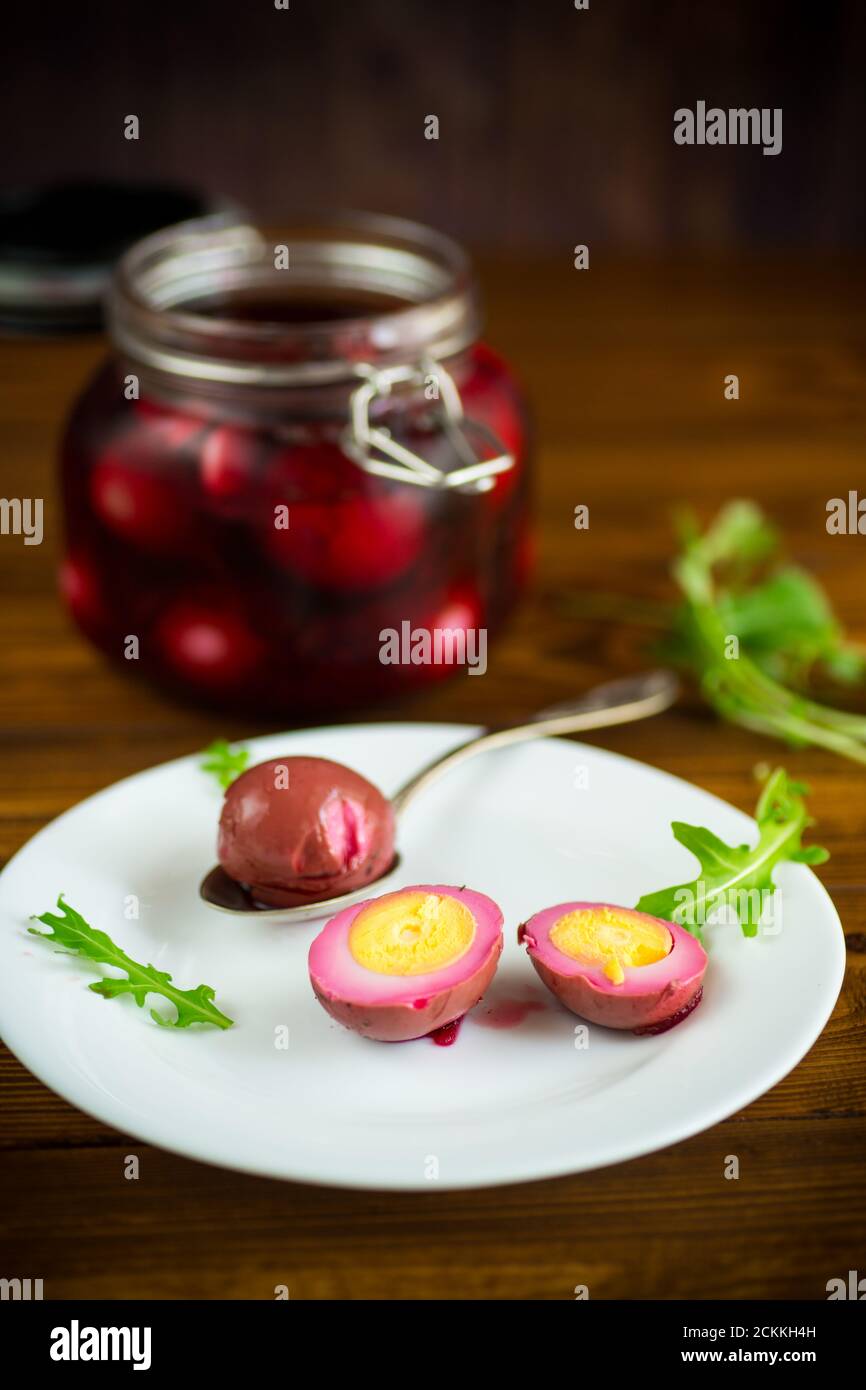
{"x": 220, "y": 891}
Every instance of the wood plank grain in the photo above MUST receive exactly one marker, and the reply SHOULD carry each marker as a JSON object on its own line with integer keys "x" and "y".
{"x": 624, "y": 366}
{"x": 669, "y": 1225}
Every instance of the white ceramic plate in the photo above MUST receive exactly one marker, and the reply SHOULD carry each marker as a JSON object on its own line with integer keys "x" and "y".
{"x": 530, "y": 826}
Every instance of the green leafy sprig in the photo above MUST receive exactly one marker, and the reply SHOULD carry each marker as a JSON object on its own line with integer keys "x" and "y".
{"x": 734, "y": 585}
{"x": 224, "y": 762}
{"x": 735, "y": 684}
{"x": 739, "y": 877}
{"x": 71, "y": 933}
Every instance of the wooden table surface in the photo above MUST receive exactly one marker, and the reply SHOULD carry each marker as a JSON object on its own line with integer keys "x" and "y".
{"x": 625, "y": 366}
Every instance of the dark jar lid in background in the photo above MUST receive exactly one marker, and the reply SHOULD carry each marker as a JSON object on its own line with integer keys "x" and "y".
{"x": 59, "y": 243}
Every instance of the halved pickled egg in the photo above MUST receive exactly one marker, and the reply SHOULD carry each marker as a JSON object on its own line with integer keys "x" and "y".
{"x": 398, "y": 966}
{"x": 615, "y": 966}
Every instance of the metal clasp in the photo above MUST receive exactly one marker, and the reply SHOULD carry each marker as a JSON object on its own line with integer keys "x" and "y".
{"x": 375, "y": 450}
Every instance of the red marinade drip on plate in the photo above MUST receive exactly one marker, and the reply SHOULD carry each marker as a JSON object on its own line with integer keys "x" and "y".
{"x": 446, "y": 1036}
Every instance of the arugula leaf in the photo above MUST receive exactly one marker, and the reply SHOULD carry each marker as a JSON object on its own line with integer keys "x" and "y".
{"x": 226, "y": 763}
{"x": 732, "y": 586}
{"x": 789, "y": 611}
{"x": 783, "y": 619}
{"x": 739, "y": 876}
{"x": 741, "y": 535}
{"x": 735, "y": 684}
{"x": 72, "y": 933}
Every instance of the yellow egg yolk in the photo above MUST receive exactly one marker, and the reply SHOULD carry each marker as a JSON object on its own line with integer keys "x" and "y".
{"x": 411, "y": 933}
{"x": 610, "y": 937}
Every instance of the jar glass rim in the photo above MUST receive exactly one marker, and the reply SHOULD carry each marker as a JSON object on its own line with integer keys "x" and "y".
{"x": 433, "y": 309}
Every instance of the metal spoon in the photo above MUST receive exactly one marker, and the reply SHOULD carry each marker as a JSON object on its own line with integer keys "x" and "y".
{"x": 615, "y": 702}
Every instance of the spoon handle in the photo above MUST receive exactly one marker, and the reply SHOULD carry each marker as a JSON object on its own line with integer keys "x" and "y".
{"x": 615, "y": 702}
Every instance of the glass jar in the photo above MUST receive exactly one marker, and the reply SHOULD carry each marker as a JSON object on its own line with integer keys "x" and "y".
{"x": 298, "y": 448}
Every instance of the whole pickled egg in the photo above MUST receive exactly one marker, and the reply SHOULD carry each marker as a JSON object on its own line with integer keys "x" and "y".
{"x": 299, "y": 829}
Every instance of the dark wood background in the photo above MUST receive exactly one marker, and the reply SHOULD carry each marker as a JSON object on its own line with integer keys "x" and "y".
{"x": 625, "y": 367}
{"x": 556, "y": 125}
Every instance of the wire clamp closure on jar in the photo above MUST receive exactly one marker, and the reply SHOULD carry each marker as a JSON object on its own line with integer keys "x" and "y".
{"x": 375, "y": 449}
